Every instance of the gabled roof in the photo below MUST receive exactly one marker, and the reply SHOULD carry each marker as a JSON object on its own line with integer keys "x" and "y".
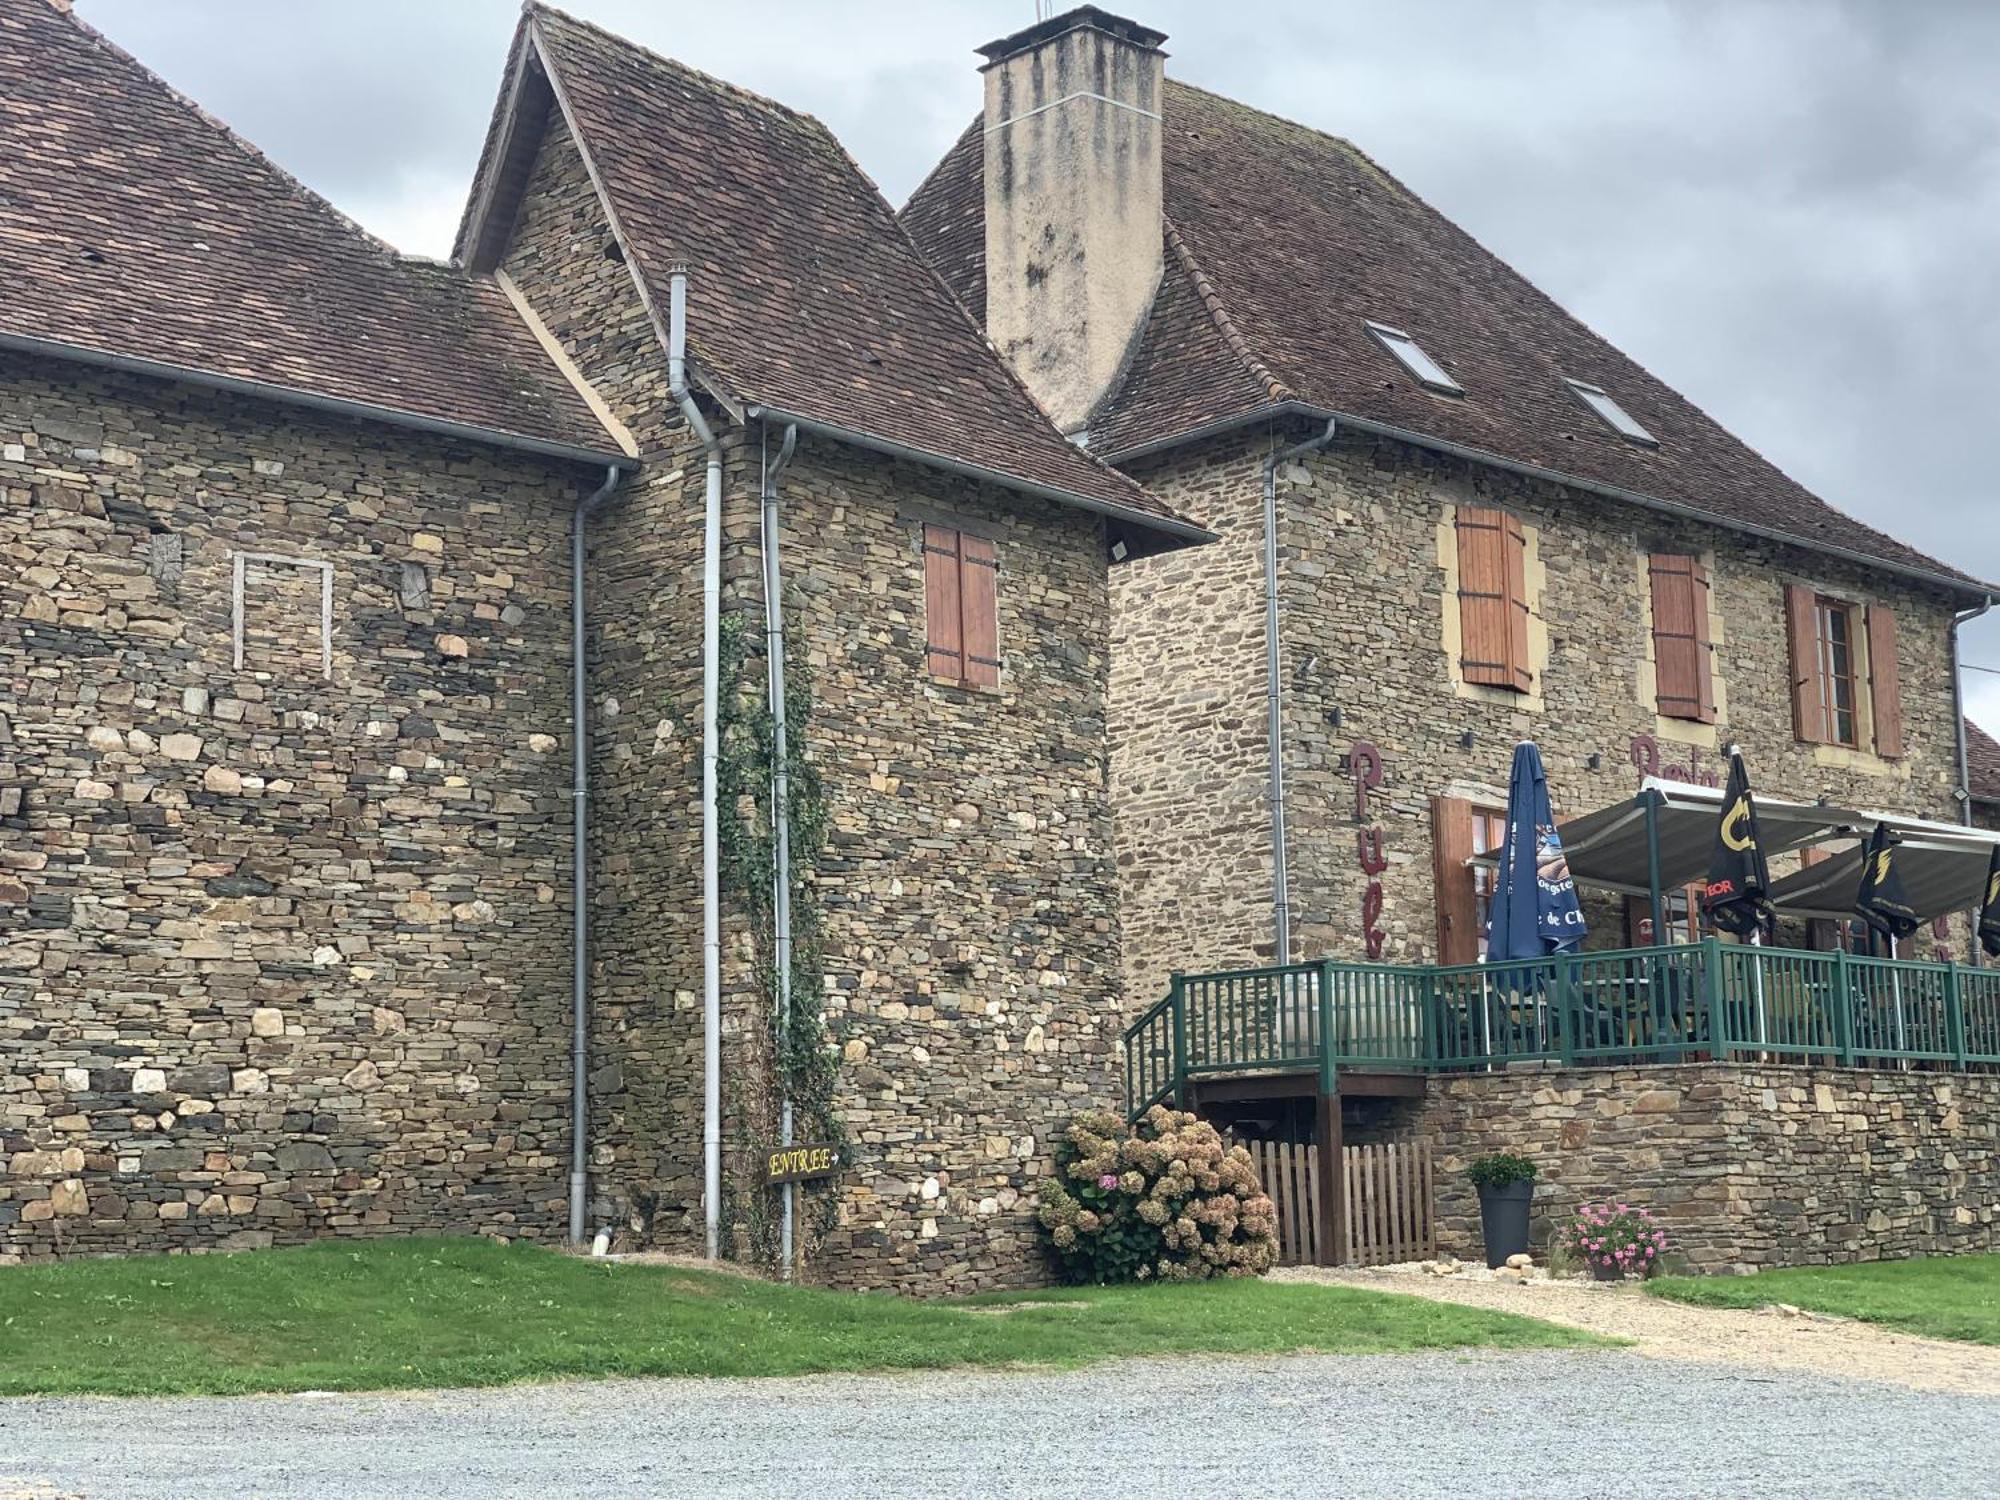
{"x": 1282, "y": 243}
{"x": 1982, "y": 764}
{"x": 805, "y": 297}
{"x": 137, "y": 231}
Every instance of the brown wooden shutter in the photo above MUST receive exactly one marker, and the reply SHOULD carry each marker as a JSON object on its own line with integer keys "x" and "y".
{"x": 1457, "y": 903}
{"x": 1885, "y": 681}
{"x": 1492, "y": 598}
{"x": 1802, "y": 627}
{"x": 978, "y": 589}
{"x": 943, "y": 613}
{"x": 1684, "y": 680}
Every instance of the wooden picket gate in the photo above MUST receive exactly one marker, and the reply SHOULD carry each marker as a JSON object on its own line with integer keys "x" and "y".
{"x": 1386, "y": 1191}
{"x": 1291, "y": 1177}
{"x": 1389, "y": 1213}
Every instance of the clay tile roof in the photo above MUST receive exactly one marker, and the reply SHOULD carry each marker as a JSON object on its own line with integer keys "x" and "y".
{"x": 133, "y": 225}
{"x": 1282, "y": 242}
{"x": 1982, "y": 764}
{"x": 805, "y": 295}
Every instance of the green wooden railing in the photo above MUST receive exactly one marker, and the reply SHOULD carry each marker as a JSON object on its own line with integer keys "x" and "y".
{"x": 1692, "y": 1001}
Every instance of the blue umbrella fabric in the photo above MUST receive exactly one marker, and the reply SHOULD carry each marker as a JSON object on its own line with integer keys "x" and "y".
{"x": 1534, "y": 911}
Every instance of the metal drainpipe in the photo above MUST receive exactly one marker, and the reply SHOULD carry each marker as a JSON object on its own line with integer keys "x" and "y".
{"x": 1273, "y": 690}
{"x": 579, "y": 862}
{"x": 711, "y": 673}
{"x": 1962, "y": 618}
{"x": 781, "y": 799}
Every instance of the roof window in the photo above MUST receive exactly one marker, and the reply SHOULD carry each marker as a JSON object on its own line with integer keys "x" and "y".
{"x": 1429, "y": 373}
{"x": 1611, "y": 413}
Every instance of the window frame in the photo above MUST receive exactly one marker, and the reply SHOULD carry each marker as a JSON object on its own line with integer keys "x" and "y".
{"x": 1609, "y": 410}
{"x": 1395, "y": 342}
{"x": 1487, "y": 821}
{"x": 1828, "y": 608}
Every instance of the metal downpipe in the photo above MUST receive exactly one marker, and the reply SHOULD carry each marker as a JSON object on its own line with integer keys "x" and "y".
{"x": 579, "y": 861}
{"x": 1964, "y": 793}
{"x": 781, "y": 803}
{"x": 711, "y": 673}
{"x": 1274, "y": 696}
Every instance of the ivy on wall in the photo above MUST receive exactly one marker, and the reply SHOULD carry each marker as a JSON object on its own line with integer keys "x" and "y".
{"x": 804, "y": 1060}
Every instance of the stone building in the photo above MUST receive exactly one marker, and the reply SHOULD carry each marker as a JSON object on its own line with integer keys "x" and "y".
{"x": 1487, "y": 525}
{"x": 287, "y": 782}
{"x": 1451, "y": 518}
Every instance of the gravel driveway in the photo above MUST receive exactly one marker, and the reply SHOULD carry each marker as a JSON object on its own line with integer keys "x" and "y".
{"x": 1527, "y": 1424}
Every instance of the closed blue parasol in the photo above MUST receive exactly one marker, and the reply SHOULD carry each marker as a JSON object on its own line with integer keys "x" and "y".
{"x": 1534, "y": 911}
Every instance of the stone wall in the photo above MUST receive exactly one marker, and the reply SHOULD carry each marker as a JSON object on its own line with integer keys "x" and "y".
{"x": 282, "y": 954}
{"x": 1747, "y": 1166}
{"x": 970, "y": 920}
{"x": 1365, "y": 657}
{"x": 1189, "y": 788}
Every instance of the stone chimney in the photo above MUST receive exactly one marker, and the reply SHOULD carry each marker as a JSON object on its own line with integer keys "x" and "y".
{"x": 1072, "y": 202}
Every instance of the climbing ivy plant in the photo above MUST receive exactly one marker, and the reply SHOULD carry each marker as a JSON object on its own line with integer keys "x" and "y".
{"x": 804, "y": 1059}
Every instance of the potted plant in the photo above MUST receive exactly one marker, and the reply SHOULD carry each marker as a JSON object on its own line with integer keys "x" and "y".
{"x": 1615, "y": 1240}
{"x": 1506, "y": 1185}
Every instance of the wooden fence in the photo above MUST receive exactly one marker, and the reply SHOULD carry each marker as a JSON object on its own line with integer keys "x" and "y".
{"x": 1291, "y": 1177}
{"x": 1388, "y": 1192}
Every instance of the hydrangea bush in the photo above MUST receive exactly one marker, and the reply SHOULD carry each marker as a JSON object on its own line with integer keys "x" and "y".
{"x": 1164, "y": 1199}
{"x": 1615, "y": 1239}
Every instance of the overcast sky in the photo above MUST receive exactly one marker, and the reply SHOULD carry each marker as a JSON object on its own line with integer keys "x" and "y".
{"x": 1789, "y": 209}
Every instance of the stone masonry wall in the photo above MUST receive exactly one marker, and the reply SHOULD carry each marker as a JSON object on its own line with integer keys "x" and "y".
{"x": 1189, "y": 788}
{"x": 1746, "y": 1166}
{"x": 1365, "y": 658}
{"x": 281, "y": 955}
{"x": 971, "y": 931}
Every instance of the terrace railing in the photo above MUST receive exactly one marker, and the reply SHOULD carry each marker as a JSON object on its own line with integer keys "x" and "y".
{"x": 1706, "y": 1000}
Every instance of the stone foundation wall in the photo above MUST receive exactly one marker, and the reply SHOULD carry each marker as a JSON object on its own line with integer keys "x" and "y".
{"x": 282, "y": 954}
{"x": 1746, "y": 1166}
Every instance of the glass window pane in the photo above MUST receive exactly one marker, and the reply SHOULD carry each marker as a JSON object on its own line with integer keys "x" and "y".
{"x": 1611, "y": 413}
{"x": 1413, "y": 358}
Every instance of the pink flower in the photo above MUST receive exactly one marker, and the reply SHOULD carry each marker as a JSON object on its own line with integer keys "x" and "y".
{"x": 1108, "y": 1180}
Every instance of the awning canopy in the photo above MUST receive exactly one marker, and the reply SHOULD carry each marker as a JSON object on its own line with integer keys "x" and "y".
{"x": 1944, "y": 864}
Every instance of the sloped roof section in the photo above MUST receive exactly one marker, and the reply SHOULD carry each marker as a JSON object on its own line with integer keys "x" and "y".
{"x": 1336, "y": 243}
{"x": 136, "y": 228}
{"x": 805, "y": 295}
{"x": 1982, "y": 764}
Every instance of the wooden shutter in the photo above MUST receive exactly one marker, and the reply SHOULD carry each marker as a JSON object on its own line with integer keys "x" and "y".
{"x": 1683, "y": 671}
{"x": 1492, "y": 598}
{"x": 1802, "y": 627}
{"x": 961, "y": 606}
{"x": 1885, "y": 683}
{"x": 1457, "y": 903}
{"x": 943, "y": 613}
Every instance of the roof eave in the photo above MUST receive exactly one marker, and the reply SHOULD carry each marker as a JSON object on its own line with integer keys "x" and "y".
{"x": 314, "y": 401}
{"x": 1180, "y": 532}
{"x": 1958, "y": 587}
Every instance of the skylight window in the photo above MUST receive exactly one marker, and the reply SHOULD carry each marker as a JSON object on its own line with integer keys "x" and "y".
{"x": 1611, "y": 413}
{"x": 1429, "y": 373}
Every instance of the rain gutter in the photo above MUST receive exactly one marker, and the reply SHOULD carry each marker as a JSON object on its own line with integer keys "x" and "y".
{"x": 781, "y": 806}
{"x": 312, "y": 401}
{"x": 1260, "y": 415}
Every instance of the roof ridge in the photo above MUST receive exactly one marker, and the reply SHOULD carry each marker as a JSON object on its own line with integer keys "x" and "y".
{"x": 1211, "y": 299}
{"x": 291, "y": 183}
{"x": 537, "y": 10}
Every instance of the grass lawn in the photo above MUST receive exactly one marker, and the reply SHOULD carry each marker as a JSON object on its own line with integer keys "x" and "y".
{"x": 437, "y": 1312}
{"x": 1947, "y": 1297}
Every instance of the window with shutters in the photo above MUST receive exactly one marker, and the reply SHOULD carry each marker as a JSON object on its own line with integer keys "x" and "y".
{"x": 1683, "y": 656}
{"x": 1493, "y": 599}
{"x": 1461, "y": 829}
{"x": 961, "y": 606}
{"x": 1846, "y": 683}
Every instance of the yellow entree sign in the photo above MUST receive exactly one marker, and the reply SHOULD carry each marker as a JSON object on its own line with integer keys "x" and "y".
{"x": 800, "y": 1163}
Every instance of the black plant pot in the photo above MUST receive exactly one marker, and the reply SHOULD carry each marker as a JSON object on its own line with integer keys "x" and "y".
{"x": 1503, "y": 1218}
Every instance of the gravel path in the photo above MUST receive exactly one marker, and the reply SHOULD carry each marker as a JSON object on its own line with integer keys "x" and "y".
{"x": 1673, "y": 1330}
{"x": 1491, "y": 1424}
